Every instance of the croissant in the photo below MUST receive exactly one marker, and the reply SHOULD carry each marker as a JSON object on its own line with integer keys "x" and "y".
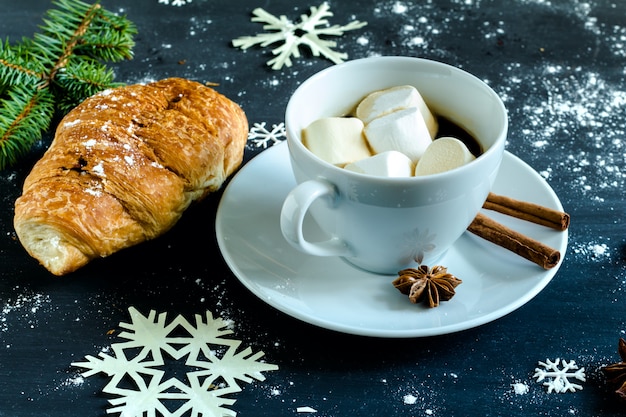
{"x": 123, "y": 167}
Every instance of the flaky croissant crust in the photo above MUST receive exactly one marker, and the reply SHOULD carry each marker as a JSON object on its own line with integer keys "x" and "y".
{"x": 123, "y": 167}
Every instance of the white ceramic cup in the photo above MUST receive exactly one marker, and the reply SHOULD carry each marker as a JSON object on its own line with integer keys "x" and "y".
{"x": 386, "y": 224}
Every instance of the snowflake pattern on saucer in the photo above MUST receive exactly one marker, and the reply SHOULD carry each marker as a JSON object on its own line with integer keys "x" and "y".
{"x": 216, "y": 365}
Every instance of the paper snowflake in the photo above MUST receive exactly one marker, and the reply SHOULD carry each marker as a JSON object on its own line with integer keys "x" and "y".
{"x": 261, "y": 137}
{"x": 292, "y": 35}
{"x": 558, "y": 379}
{"x": 175, "y": 2}
{"x": 138, "y": 379}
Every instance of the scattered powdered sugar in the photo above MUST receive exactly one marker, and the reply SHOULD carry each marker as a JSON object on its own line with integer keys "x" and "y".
{"x": 129, "y": 159}
{"x": 89, "y": 143}
{"x": 96, "y": 192}
{"x": 94, "y": 188}
{"x": 73, "y": 381}
{"x": 76, "y": 379}
{"x": 409, "y": 399}
{"x": 423, "y": 397}
{"x": 574, "y": 101}
{"x": 520, "y": 388}
{"x": 98, "y": 169}
{"x": 414, "y": 399}
{"x": 399, "y": 8}
{"x": 25, "y": 303}
{"x": 593, "y": 251}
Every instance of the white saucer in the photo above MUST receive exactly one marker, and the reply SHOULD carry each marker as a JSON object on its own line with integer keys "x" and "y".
{"x": 330, "y": 293}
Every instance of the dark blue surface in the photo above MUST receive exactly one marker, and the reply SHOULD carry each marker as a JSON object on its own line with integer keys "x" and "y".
{"x": 560, "y": 68}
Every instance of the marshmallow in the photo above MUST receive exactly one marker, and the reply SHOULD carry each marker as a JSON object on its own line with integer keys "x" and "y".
{"x": 403, "y": 131}
{"x": 443, "y": 154}
{"x": 382, "y": 102}
{"x": 386, "y": 164}
{"x": 337, "y": 140}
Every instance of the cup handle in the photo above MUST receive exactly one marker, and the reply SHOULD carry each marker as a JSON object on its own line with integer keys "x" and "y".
{"x": 295, "y": 207}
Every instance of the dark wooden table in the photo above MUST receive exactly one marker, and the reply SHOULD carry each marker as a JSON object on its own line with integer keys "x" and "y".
{"x": 560, "y": 68}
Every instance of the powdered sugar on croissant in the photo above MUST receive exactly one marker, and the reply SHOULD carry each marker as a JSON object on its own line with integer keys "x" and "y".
{"x": 123, "y": 167}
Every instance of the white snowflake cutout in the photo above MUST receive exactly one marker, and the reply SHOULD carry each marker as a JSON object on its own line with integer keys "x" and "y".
{"x": 291, "y": 35}
{"x": 139, "y": 360}
{"x": 261, "y": 136}
{"x": 175, "y": 2}
{"x": 558, "y": 380}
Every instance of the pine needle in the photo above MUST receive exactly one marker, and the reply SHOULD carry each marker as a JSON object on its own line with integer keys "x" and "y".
{"x": 23, "y": 113}
{"x": 56, "y": 69}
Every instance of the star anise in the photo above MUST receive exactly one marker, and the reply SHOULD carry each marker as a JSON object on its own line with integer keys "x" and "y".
{"x": 616, "y": 373}
{"x": 430, "y": 285}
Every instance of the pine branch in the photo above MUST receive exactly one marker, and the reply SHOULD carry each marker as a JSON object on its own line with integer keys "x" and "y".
{"x": 17, "y": 67}
{"x": 81, "y": 78}
{"x": 56, "y": 69}
{"x": 22, "y": 113}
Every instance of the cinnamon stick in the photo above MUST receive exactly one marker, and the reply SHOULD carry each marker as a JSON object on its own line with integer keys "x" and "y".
{"x": 527, "y": 211}
{"x": 522, "y": 245}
